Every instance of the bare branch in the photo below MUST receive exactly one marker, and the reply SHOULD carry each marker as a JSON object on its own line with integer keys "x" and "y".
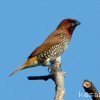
{"x": 45, "y": 78}
{"x": 91, "y": 89}
{"x": 57, "y": 75}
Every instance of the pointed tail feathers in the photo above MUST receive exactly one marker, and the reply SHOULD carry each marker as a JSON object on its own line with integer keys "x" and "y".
{"x": 32, "y": 62}
{"x": 17, "y": 70}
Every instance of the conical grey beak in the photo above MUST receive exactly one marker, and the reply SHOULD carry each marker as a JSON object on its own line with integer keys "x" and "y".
{"x": 77, "y": 22}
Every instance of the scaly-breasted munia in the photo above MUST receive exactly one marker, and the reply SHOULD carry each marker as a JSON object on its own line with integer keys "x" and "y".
{"x": 53, "y": 47}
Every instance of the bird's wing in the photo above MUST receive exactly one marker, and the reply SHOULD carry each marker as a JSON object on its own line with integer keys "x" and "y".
{"x": 52, "y": 40}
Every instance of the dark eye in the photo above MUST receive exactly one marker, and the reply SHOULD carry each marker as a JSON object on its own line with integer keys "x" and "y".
{"x": 73, "y": 24}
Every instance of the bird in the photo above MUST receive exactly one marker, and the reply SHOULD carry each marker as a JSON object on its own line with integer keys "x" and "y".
{"x": 53, "y": 47}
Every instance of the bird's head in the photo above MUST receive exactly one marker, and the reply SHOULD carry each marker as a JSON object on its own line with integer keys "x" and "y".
{"x": 68, "y": 25}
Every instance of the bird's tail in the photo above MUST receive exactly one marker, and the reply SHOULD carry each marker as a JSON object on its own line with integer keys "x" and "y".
{"x": 32, "y": 62}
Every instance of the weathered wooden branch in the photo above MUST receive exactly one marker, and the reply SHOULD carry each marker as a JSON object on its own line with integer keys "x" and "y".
{"x": 57, "y": 75}
{"x": 91, "y": 89}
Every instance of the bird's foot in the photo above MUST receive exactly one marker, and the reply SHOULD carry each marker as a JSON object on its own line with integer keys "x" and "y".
{"x": 57, "y": 66}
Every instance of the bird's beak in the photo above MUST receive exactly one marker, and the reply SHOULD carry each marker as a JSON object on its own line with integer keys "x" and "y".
{"x": 77, "y": 22}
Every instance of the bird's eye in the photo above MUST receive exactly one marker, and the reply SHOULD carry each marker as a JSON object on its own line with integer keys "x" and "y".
{"x": 73, "y": 24}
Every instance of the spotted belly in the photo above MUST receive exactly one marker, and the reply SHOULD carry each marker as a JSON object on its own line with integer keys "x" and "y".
{"x": 54, "y": 52}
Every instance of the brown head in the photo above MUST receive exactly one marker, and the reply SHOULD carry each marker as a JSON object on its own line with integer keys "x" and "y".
{"x": 68, "y": 25}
